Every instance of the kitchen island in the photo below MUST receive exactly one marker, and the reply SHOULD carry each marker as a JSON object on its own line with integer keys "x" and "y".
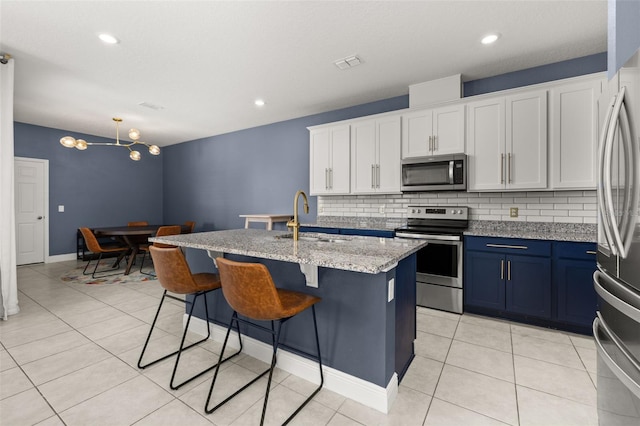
{"x": 366, "y": 319}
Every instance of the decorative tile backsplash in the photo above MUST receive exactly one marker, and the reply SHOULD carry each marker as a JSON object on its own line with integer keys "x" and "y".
{"x": 547, "y": 206}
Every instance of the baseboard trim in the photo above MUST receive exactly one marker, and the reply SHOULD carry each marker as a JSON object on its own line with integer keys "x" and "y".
{"x": 349, "y": 386}
{"x": 60, "y": 258}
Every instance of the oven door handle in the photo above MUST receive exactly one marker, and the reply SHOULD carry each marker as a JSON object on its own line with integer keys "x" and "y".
{"x": 453, "y": 238}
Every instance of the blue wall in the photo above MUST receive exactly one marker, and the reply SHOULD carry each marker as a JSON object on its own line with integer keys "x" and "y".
{"x": 215, "y": 179}
{"x": 100, "y": 186}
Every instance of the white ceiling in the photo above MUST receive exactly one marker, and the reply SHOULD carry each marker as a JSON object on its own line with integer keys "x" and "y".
{"x": 205, "y": 62}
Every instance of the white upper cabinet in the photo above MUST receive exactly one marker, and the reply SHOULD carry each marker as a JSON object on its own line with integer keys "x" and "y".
{"x": 375, "y": 156}
{"x": 430, "y": 132}
{"x": 507, "y": 142}
{"x": 329, "y": 165}
{"x": 574, "y": 133}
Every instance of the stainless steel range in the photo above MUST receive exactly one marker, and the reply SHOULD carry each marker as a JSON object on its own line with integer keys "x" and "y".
{"x": 439, "y": 270}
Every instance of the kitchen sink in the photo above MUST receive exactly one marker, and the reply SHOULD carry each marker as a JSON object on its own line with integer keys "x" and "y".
{"x": 314, "y": 238}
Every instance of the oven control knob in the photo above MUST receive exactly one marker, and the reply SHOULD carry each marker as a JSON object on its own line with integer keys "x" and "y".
{"x": 419, "y": 211}
{"x": 413, "y": 210}
{"x": 459, "y": 211}
{"x": 453, "y": 212}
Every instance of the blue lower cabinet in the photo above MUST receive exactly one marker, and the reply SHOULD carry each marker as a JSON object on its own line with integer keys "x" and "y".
{"x": 483, "y": 282}
{"x": 320, "y": 230}
{"x": 546, "y": 283}
{"x": 528, "y": 282}
{"x": 573, "y": 267}
{"x": 508, "y": 276}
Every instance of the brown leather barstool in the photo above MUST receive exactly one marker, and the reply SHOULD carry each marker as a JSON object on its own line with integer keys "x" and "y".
{"x": 162, "y": 232}
{"x": 250, "y": 291}
{"x": 175, "y": 276}
{"x": 94, "y": 246}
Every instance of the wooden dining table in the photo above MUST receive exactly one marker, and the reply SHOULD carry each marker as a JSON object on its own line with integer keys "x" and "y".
{"x": 134, "y": 237}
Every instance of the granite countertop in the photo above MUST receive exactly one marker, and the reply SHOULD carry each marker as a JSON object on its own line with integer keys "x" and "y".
{"x": 577, "y": 232}
{"x": 370, "y": 255}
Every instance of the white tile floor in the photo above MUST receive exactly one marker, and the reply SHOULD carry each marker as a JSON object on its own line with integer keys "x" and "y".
{"x": 69, "y": 358}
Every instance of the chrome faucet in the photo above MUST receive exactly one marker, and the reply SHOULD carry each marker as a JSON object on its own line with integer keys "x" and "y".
{"x": 294, "y": 224}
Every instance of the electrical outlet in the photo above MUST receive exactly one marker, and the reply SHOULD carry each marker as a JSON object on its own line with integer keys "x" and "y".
{"x": 513, "y": 212}
{"x": 382, "y": 208}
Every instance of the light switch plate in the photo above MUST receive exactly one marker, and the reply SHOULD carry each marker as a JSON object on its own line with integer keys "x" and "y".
{"x": 513, "y": 212}
{"x": 61, "y": 209}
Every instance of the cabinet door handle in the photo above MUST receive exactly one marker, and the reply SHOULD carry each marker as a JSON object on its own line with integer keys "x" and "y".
{"x": 373, "y": 176}
{"x": 507, "y": 246}
{"x": 502, "y": 269}
{"x": 330, "y": 177}
{"x": 435, "y": 143}
{"x": 377, "y": 175}
{"x": 509, "y": 167}
{"x": 430, "y": 143}
{"x": 326, "y": 178}
{"x": 508, "y": 270}
{"x": 501, "y": 168}
{"x": 591, "y": 252}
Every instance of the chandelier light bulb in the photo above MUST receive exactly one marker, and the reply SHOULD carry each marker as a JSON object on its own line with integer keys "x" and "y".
{"x": 68, "y": 142}
{"x": 81, "y": 144}
{"x": 134, "y": 134}
{"x": 154, "y": 150}
{"x": 134, "y": 155}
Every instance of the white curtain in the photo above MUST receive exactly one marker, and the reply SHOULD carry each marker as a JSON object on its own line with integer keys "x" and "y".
{"x": 8, "y": 272}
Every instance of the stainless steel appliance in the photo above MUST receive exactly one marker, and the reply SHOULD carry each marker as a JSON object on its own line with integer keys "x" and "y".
{"x": 438, "y": 173}
{"x": 616, "y": 328}
{"x": 439, "y": 264}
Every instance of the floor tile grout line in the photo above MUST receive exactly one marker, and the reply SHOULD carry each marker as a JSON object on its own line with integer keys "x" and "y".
{"x": 472, "y": 410}
{"x": 515, "y": 378}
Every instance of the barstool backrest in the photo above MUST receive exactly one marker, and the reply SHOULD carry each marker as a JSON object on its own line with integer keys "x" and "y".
{"x": 249, "y": 289}
{"x": 167, "y": 230}
{"x": 172, "y": 270}
{"x": 191, "y": 224}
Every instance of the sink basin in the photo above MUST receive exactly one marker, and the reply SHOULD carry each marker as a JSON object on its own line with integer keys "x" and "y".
{"x": 312, "y": 238}
{"x": 301, "y": 238}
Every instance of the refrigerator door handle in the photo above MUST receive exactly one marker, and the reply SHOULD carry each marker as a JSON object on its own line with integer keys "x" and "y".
{"x": 605, "y": 189}
{"x": 632, "y": 186}
{"x": 621, "y": 305}
{"x": 613, "y": 366}
{"x": 608, "y": 198}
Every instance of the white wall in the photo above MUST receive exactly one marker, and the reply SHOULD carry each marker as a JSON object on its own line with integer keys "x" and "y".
{"x": 557, "y": 206}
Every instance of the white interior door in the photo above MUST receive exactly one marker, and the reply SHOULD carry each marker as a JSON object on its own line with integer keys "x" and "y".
{"x": 30, "y": 210}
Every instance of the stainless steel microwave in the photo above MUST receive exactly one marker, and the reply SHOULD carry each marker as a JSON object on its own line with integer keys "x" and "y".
{"x": 438, "y": 173}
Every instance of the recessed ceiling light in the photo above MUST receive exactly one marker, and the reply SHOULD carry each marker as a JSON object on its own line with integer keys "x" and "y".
{"x": 108, "y": 38}
{"x": 490, "y": 38}
{"x": 259, "y": 102}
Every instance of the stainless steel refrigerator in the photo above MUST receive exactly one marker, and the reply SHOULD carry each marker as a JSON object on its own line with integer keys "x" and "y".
{"x": 616, "y": 328}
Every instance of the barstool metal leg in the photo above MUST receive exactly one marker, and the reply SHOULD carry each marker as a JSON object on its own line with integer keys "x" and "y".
{"x": 182, "y": 347}
{"x": 275, "y": 338}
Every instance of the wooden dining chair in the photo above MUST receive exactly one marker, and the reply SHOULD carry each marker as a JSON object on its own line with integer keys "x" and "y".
{"x": 94, "y": 246}
{"x": 138, "y": 223}
{"x": 175, "y": 276}
{"x": 162, "y": 231}
{"x": 191, "y": 225}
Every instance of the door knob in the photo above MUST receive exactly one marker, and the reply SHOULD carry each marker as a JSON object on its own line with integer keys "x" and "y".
{"x": 39, "y": 217}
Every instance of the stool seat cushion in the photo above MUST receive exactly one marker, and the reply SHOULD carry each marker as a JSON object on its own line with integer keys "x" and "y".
{"x": 294, "y": 302}
{"x": 205, "y": 281}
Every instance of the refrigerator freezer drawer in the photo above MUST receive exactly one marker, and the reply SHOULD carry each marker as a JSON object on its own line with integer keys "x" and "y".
{"x": 620, "y": 308}
{"x": 618, "y": 380}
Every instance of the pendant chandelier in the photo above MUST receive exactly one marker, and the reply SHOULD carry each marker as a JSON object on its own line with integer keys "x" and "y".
{"x": 134, "y": 135}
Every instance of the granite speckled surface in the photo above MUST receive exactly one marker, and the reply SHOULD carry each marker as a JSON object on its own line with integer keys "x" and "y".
{"x": 578, "y": 232}
{"x": 370, "y": 255}
{"x": 349, "y": 222}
